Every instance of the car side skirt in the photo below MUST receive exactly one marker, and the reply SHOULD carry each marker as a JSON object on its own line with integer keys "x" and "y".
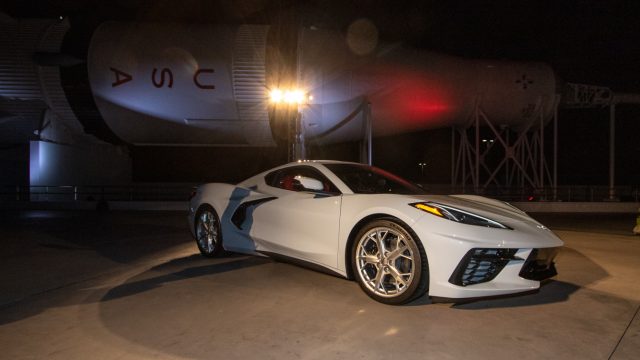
{"x": 302, "y": 263}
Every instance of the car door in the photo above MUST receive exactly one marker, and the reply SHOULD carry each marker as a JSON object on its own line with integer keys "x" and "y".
{"x": 302, "y": 222}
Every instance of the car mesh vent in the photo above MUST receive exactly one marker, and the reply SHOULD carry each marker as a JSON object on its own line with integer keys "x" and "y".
{"x": 481, "y": 265}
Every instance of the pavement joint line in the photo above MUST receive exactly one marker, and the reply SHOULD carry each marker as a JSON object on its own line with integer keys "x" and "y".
{"x": 624, "y": 333}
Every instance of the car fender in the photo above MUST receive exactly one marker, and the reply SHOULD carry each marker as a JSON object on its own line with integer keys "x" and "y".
{"x": 358, "y": 207}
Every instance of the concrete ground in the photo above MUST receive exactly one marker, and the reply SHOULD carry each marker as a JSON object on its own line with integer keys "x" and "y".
{"x": 120, "y": 285}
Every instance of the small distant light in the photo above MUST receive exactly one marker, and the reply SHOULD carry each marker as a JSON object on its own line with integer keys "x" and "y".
{"x": 310, "y": 97}
{"x": 61, "y": 17}
{"x": 484, "y": 140}
{"x": 530, "y": 198}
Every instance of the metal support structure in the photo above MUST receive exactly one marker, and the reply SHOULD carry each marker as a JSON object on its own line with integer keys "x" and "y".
{"x": 523, "y": 158}
{"x": 555, "y": 154}
{"x": 296, "y": 147}
{"x": 453, "y": 157}
{"x": 291, "y": 140}
{"x": 298, "y": 139}
{"x": 507, "y": 158}
{"x": 366, "y": 150}
{"x": 622, "y": 98}
{"x": 612, "y": 152}
{"x": 476, "y": 181}
{"x": 300, "y": 151}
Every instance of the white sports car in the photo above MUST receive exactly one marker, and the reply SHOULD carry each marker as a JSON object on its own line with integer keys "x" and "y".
{"x": 361, "y": 222}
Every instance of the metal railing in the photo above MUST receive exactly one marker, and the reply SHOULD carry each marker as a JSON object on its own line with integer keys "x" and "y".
{"x": 180, "y": 192}
{"x": 567, "y": 193}
{"x": 96, "y": 192}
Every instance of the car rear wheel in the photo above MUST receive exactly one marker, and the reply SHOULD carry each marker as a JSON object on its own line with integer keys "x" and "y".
{"x": 208, "y": 234}
{"x": 389, "y": 262}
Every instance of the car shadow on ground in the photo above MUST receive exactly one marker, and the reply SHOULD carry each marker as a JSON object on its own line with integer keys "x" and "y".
{"x": 184, "y": 269}
{"x": 178, "y": 269}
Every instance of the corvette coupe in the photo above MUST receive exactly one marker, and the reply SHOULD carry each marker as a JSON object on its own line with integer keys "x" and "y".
{"x": 363, "y": 223}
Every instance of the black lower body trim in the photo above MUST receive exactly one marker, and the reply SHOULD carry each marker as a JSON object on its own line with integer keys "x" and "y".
{"x": 301, "y": 263}
{"x": 539, "y": 265}
{"x": 459, "y": 301}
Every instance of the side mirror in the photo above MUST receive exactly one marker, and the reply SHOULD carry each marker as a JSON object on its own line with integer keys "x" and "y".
{"x": 308, "y": 183}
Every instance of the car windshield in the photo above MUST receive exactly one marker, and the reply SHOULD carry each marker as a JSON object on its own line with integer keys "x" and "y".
{"x": 364, "y": 179}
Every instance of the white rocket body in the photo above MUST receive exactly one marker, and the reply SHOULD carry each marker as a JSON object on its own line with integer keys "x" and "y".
{"x": 181, "y": 84}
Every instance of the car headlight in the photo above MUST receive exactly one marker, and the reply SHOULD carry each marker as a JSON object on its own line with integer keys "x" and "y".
{"x": 457, "y": 215}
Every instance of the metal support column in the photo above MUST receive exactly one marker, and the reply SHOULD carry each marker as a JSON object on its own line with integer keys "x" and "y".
{"x": 555, "y": 153}
{"x": 541, "y": 161}
{"x": 612, "y": 151}
{"x": 453, "y": 158}
{"x": 476, "y": 180}
{"x": 366, "y": 146}
{"x": 297, "y": 148}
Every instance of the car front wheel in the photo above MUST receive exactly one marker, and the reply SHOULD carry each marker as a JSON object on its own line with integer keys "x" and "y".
{"x": 389, "y": 262}
{"x": 208, "y": 234}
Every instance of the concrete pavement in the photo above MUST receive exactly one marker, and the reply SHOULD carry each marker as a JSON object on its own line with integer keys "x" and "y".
{"x": 123, "y": 285}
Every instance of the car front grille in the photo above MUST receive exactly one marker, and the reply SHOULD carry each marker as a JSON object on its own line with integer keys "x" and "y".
{"x": 481, "y": 265}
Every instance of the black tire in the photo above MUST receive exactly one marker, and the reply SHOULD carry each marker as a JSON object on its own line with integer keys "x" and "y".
{"x": 404, "y": 264}
{"x": 208, "y": 232}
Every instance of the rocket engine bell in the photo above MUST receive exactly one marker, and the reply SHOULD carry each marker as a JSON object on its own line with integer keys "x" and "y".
{"x": 209, "y": 85}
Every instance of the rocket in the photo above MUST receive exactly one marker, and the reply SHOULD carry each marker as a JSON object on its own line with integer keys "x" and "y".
{"x": 213, "y": 85}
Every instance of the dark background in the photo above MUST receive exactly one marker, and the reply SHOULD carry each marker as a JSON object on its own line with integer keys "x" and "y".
{"x": 590, "y": 42}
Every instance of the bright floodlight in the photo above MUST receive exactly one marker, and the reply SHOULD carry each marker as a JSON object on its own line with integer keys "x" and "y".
{"x": 294, "y": 97}
{"x": 276, "y": 95}
{"x": 287, "y": 96}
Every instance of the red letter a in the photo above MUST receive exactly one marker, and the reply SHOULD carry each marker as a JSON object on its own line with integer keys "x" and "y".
{"x": 121, "y": 77}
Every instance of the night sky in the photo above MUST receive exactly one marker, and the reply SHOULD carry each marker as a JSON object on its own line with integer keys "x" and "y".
{"x": 591, "y": 42}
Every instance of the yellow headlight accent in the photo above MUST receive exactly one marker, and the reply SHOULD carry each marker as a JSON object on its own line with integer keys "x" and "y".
{"x": 429, "y": 209}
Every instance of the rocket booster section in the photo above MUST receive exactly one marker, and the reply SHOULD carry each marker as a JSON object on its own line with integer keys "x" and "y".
{"x": 412, "y": 90}
{"x": 181, "y": 84}
{"x": 209, "y": 85}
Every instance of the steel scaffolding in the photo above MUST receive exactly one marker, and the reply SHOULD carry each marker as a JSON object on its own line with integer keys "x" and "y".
{"x": 507, "y": 158}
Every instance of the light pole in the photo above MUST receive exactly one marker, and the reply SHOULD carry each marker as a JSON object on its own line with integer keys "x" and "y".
{"x": 422, "y": 165}
{"x": 290, "y": 98}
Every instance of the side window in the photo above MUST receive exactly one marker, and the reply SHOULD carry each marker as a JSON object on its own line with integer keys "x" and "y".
{"x": 270, "y": 178}
{"x": 300, "y": 178}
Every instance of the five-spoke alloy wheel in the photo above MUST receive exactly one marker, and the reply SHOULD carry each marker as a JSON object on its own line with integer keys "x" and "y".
{"x": 389, "y": 263}
{"x": 208, "y": 234}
